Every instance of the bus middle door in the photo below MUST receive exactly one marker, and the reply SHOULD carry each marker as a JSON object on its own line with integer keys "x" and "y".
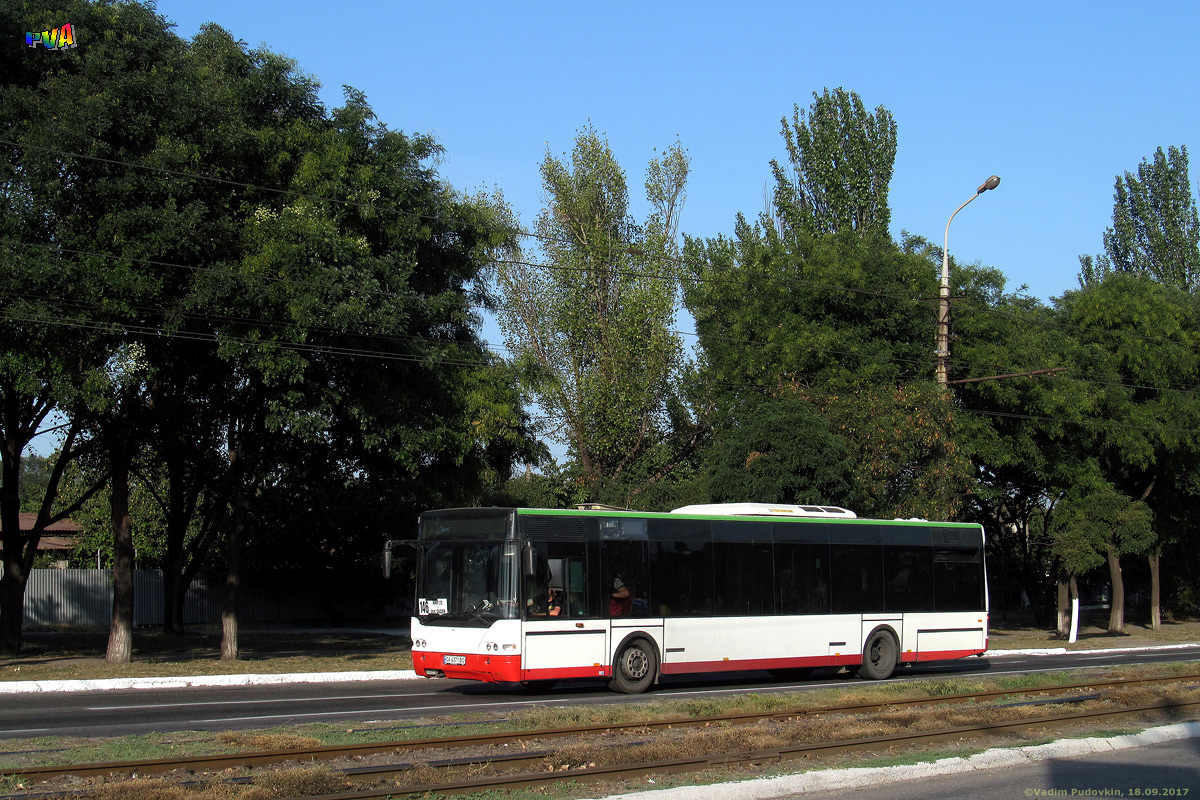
{"x": 562, "y": 639}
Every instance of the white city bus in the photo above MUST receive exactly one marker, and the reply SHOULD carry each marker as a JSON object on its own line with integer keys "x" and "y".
{"x": 538, "y": 595}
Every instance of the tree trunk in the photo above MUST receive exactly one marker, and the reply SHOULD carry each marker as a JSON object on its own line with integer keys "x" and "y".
{"x": 1155, "y": 589}
{"x": 12, "y": 602}
{"x": 180, "y": 508}
{"x": 172, "y": 560}
{"x": 174, "y": 586}
{"x": 120, "y": 632}
{"x": 12, "y": 583}
{"x": 233, "y": 579}
{"x": 172, "y": 605}
{"x": 1064, "y": 604}
{"x": 1116, "y": 616}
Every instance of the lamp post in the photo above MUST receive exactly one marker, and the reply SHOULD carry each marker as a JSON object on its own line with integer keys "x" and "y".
{"x": 943, "y": 330}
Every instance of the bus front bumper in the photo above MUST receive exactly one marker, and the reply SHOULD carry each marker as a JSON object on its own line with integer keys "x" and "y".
{"x": 468, "y": 666}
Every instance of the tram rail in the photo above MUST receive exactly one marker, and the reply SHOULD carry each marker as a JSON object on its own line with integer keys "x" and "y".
{"x": 527, "y": 769}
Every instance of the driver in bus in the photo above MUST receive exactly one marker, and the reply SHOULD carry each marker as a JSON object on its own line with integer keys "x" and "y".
{"x": 548, "y": 605}
{"x": 554, "y": 603}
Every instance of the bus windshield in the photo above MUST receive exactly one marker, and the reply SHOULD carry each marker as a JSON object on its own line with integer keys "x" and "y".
{"x": 467, "y": 583}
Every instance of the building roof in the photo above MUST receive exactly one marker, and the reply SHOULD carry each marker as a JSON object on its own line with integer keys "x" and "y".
{"x": 28, "y": 518}
{"x": 59, "y": 535}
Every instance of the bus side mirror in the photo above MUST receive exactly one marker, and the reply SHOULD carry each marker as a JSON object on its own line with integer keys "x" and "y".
{"x": 387, "y": 561}
{"x": 527, "y": 566}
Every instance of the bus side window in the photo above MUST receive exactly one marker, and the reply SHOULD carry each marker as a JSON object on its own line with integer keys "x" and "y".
{"x": 624, "y": 561}
{"x": 560, "y": 568}
{"x": 682, "y": 576}
{"x": 576, "y": 576}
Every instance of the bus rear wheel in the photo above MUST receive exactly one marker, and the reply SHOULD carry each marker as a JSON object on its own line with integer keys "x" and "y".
{"x": 634, "y": 668}
{"x": 879, "y": 656}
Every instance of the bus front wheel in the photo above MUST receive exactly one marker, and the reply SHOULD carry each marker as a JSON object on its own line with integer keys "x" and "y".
{"x": 634, "y": 668}
{"x": 879, "y": 656}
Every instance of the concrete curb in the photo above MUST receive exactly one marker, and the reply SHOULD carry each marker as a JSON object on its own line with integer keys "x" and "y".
{"x": 1062, "y": 651}
{"x": 834, "y": 779}
{"x": 14, "y": 687}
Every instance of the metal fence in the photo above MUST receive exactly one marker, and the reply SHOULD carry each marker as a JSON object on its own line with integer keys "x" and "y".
{"x": 82, "y": 598}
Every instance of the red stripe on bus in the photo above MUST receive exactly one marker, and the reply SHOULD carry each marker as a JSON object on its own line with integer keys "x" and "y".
{"x": 562, "y": 673}
{"x": 741, "y": 665}
{"x": 943, "y": 655}
{"x": 495, "y": 669}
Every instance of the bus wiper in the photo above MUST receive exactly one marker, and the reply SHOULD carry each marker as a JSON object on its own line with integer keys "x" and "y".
{"x": 480, "y": 611}
{"x": 473, "y": 611}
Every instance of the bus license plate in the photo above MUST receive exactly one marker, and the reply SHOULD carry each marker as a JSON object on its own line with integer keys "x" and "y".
{"x": 460, "y": 661}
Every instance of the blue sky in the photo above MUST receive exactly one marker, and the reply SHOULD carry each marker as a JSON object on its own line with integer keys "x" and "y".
{"x": 1056, "y": 98}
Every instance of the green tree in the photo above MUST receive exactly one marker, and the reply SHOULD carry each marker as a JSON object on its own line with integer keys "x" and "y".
{"x": 56, "y": 216}
{"x": 817, "y": 300}
{"x": 837, "y": 321}
{"x": 1098, "y": 529}
{"x": 753, "y": 458}
{"x": 1155, "y": 230}
{"x": 94, "y": 548}
{"x": 593, "y": 327}
{"x": 1134, "y": 411}
{"x": 343, "y": 327}
{"x": 1013, "y": 428}
{"x": 35, "y": 477}
{"x": 108, "y": 136}
{"x": 1156, "y": 234}
{"x": 349, "y": 332}
{"x": 841, "y": 159}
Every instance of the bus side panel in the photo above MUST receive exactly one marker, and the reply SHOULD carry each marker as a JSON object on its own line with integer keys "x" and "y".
{"x": 908, "y": 645}
{"x": 556, "y": 649}
{"x": 950, "y": 635}
{"x": 719, "y": 644}
{"x": 622, "y": 629}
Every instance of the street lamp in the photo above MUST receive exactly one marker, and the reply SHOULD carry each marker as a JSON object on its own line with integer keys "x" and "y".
{"x": 943, "y": 331}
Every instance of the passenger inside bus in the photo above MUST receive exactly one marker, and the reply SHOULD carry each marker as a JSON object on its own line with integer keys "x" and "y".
{"x": 621, "y": 600}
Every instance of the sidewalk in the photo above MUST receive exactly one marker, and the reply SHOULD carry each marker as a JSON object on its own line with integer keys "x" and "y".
{"x": 834, "y": 779}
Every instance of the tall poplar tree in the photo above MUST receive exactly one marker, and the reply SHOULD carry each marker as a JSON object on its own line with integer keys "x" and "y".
{"x": 1137, "y": 415}
{"x": 841, "y": 159}
{"x": 593, "y": 325}
{"x": 1156, "y": 235}
{"x": 1155, "y": 230}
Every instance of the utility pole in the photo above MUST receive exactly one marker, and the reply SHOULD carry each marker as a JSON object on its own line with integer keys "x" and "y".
{"x": 943, "y": 330}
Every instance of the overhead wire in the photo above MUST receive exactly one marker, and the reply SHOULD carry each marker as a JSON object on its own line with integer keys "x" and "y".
{"x": 376, "y": 207}
{"x": 494, "y": 348}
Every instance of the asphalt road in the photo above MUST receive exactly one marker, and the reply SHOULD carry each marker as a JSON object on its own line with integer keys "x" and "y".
{"x": 138, "y": 711}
